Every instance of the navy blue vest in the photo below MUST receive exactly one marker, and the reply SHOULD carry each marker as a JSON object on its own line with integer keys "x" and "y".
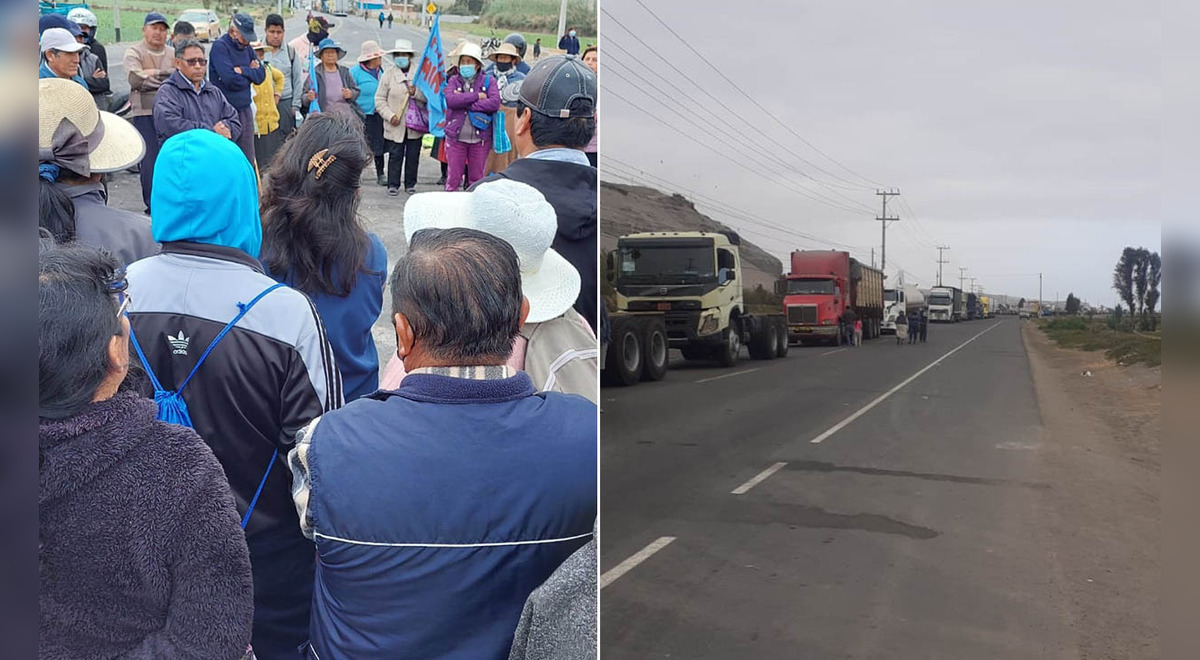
{"x": 439, "y": 508}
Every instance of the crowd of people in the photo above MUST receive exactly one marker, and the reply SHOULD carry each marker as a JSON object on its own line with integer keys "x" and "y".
{"x": 226, "y": 469}
{"x": 912, "y": 327}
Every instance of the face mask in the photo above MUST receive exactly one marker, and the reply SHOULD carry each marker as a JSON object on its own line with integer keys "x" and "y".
{"x": 401, "y": 62}
{"x": 572, "y": 33}
{"x": 467, "y": 70}
{"x": 503, "y": 66}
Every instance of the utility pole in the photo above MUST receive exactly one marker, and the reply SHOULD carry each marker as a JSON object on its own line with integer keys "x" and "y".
{"x": 962, "y": 276}
{"x": 1039, "y": 292}
{"x": 117, "y": 21}
{"x": 940, "y": 249}
{"x": 884, "y": 194}
{"x": 872, "y": 257}
{"x": 562, "y": 20}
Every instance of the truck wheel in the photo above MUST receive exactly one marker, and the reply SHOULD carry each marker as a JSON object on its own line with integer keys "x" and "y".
{"x": 624, "y": 365}
{"x": 727, "y": 352}
{"x": 656, "y": 350}
{"x": 762, "y": 341}
{"x": 781, "y": 335}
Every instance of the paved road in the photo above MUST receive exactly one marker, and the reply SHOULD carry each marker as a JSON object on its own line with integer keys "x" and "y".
{"x": 380, "y": 213}
{"x": 911, "y": 532}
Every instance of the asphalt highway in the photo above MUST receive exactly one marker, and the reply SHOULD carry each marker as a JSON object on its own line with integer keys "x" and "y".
{"x": 906, "y": 530}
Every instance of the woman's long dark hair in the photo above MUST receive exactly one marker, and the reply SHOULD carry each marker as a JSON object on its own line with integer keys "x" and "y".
{"x": 56, "y": 211}
{"x": 311, "y": 231}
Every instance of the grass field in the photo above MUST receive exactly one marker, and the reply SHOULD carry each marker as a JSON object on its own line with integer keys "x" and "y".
{"x": 1095, "y": 335}
{"x": 549, "y": 41}
{"x": 133, "y": 12}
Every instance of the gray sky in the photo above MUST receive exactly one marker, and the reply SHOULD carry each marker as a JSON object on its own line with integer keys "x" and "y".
{"x": 1025, "y": 137}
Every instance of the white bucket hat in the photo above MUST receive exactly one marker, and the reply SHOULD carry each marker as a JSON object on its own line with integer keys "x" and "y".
{"x": 73, "y": 134}
{"x": 469, "y": 49}
{"x": 403, "y": 46}
{"x": 520, "y": 215}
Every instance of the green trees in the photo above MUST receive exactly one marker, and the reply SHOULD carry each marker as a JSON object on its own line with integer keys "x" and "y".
{"x": 1136, "y": 279}
{"x": 1072, "y": 304}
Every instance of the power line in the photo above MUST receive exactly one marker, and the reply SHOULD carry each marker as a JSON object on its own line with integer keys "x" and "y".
{"x": 802, "y": 192}
{"x": 751, "y": 99}
{"x": 736, "y": 147}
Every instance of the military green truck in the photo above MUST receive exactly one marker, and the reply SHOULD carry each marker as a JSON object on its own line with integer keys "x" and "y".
{"x": 681, "y": 290}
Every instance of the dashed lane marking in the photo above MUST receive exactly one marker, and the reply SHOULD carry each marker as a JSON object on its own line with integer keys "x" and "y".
{"x": 629, "y": 564}
{"x": 757, "y": 479}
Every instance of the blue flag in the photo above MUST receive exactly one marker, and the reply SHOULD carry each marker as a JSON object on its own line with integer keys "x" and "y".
{"x": 313, "y": 106}
{"x": 431, "y": 78}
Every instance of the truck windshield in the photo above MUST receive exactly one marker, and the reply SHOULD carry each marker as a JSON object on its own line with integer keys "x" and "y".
{"x": 939, "y": 299}
{"x": 801, "y": 287}
{"x": 666, "y": 264}
{"x": 889, "y": 295}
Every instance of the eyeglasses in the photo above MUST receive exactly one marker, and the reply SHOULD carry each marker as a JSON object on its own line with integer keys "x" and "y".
{"x": 196, "y": 61}
{"x": 123, "y": 303}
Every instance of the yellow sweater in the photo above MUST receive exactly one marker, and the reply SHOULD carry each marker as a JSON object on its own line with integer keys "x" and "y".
{"x": 266, "y": 116}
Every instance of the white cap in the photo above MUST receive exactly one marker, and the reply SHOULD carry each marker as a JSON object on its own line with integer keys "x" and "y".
{"x": 60, "y": 39}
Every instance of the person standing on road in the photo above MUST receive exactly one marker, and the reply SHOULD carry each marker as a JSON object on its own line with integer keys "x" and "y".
{"x": 901, "y": 328}
{"x": 366, "y": 76}
{"x": 924, "y": 326}
{"x": 556, "y": 346}
{"x": 314, "y": 242}
{"x": 271, "y": 374}
{"x": 293, "y": 67}
{"x": 182, "y": 32}
{"x": 390, "y": 17}
{"x": 405, "y": 119}
{"x": 149, "y": 63}
{"x": 234, "y": 69}
{"x": 92, "y": 67}
{"x": 77, "y": 145}
{"x": 60, "y": 56}
{"x": 591, "y": 57}
{"x": 914, "y": 327}
{"x": 555, "y": 121}
{"x": 381, "y": 19}
{"x": 847, "y": 326}
{"x": 518, "y": 41}
{"x": 335, "y": 90}
{"x": 857, "y": 332}
{"x": 504, "y": 486}
{"x": 569, "y": 42}
{"x": 139, "y": 550}
{"x": 537, "y": 49}
{"x": 268, "y": 134}
{"x": 186, "y": 101}
{"x": 503, "y": 66}
{"x": 306, "y": 44}
{"x": 472, "y": 99}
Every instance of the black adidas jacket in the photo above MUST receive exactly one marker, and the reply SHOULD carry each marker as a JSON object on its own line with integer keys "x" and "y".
{"x": 269, "y": 377}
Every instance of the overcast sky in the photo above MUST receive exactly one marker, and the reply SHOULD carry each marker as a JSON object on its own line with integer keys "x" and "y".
{"x": 1025, "y": 137}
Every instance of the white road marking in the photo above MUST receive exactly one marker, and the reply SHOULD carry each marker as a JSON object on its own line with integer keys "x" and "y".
{"x": 736, "y": 373}
{"x": 832, "y": 352}
{"x": 862, "y": 411}
{"x": 758, "y": 478}
{"x": 638, "y": 557}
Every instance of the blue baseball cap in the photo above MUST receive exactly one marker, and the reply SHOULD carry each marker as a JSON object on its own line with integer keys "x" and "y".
{"x": 155, "y": 17}
{"x": 47, "y": 21}
{"x": 245, "y": 25}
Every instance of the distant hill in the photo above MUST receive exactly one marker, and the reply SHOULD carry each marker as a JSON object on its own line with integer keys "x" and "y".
{"x": 629, "y": 209}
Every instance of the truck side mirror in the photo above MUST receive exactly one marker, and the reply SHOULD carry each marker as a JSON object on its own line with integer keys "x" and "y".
{"x": 725, "y": 276}
{"x": 610, "y": 264}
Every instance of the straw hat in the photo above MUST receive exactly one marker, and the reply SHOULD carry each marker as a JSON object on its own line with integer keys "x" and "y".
{"x": 112, "y": 144}
{"x": 257, "y": 45}
{"x": 520, "y": 215}
{"x": 505, "y": 49}
{"x": 370, "y": 50}
{"x": 403, "y": 46}
{"x": 469, "y": 49}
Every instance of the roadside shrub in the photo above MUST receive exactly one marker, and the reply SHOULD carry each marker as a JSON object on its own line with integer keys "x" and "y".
{"x": 538, "y": 16}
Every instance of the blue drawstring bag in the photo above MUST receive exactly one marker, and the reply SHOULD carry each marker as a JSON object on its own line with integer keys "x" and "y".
{"x": 500, "y": 142}
{"x": 172, "y": 408}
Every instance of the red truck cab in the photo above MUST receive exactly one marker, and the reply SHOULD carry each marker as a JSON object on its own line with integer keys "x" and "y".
{"x": 821, "y": 286}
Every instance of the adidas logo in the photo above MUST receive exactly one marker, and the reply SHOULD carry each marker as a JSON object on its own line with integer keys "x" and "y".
{"x": 179, "y": 345}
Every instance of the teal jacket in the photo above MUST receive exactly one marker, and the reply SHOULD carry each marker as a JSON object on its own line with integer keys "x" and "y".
{"x": 367, "y": 83}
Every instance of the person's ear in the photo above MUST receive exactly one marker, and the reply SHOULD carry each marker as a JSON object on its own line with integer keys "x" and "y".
{"x": 524, "y": 120}
{"x": 118, "y": 349}
{"x": 524, "y": 310}
{"x": 404, "y": 335}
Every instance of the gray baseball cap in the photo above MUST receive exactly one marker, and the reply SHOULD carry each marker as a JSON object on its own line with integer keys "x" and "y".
{"x": 554, "y": 82}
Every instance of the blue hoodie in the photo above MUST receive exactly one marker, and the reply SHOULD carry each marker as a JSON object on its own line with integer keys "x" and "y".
{"x": 205, "y": 192}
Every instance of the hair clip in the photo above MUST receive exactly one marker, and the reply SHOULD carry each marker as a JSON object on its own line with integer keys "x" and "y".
{"x": 320, "y": 160}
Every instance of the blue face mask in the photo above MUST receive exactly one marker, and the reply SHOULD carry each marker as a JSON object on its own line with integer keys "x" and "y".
{"x": 572, "y": 33}
{"x": 401, "y": 62}
{"x": 467, "y": 70}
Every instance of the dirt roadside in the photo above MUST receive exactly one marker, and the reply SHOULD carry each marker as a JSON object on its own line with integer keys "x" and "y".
{"x": 1100, "y": 448}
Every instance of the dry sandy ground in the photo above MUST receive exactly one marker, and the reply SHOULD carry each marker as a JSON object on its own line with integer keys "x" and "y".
{"x": 1100, "y": 448}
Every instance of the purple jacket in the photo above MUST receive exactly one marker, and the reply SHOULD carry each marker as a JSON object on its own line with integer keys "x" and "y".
{"x": 461, "y": 97}
{"x": 178, "y": 108}
{"x": 142, "y": 554}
